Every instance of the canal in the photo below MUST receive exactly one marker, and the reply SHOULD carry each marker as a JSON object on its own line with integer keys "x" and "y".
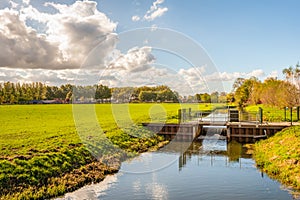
{"x": 204, "y": 169}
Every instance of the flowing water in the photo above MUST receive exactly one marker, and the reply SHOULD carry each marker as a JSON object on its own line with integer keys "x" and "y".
{"x": 208, "y": 169}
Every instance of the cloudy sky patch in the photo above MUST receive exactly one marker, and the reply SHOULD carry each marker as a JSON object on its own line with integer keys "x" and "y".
{"x": 78, "y": 42}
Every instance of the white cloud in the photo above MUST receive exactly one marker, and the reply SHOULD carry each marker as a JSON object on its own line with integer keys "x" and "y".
{"x": 27, "y": 2}
{"x": 273, "y": 74}
{"x": 21, "y": 46}
{"x": 226, "y": 76}
{"x": 257, "y": 73}
{"x": 13, "y": 4}
{"x": 136, "y": 59}
{"x": 223, "y": 76}
{"x": 154, "y": 12}
{"x": 70, "y": 35}
{"x": 135, "y": 18}
{"x": 51, "y": 77}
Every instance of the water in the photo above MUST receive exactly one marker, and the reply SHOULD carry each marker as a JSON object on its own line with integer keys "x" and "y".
{"x": 209, "y": 169}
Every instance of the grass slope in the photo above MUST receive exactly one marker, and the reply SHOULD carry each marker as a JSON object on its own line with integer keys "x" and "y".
{"x": 279, "y": 156}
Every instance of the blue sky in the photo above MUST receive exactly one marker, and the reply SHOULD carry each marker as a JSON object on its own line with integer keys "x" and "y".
{"x": 238, "y": 35}
{"x": 241, "y": 38}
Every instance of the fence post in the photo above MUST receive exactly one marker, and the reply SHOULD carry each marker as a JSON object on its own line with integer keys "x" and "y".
{"x": 260, "y": 115}
{"x": 190, "y": 113}
{"x": 298, "y": 113}
{"x": 285, "y": 114}
{"x": 179, "y": 115}
{"x": 291, "y": 109}
{"x": 183, "y": 115}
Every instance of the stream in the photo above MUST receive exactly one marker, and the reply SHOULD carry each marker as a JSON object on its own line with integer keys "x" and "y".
{"x": 204, "y": 169}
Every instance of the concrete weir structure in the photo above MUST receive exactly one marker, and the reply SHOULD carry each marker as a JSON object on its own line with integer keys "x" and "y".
{"x": 183, "y": 131}
{"x": 242, "y": 132}
{"x": 219, "y": 124}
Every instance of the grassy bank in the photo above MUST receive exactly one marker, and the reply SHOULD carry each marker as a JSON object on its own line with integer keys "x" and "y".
{"x": 279, "y": 156}
{"x": 42, "y": 155}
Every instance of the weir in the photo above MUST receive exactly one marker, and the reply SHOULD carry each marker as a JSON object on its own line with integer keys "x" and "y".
{"x": 217, "y": 125}
{"x": 241, "y": 132}
{"x": 213, "y": 132}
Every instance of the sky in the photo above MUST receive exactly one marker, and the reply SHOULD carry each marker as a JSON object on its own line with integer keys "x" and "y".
{"x": 192, "y": 46}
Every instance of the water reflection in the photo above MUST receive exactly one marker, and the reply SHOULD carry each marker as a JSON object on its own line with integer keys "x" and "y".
{"x": 232, "y": 152}
{"x": 225, "y": 171}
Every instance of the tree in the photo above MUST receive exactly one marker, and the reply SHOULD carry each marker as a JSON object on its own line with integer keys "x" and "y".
{"x": 103, "y": 92}
{"x": 238, "y": 83}
{"x": 245, "y": 91}
{"x": 292, "y": 74}
{"x": 167, "y": 95}
{"x": 230, "y": 98}
{"x": 297, "y": 75}
{"x": 198, "y": 98}
{"x": 147, "y": 96}
{"x": 288, "y": 72}
{"x": 214, "y": 97}
{"x": 205, "y": 98}
{"x": 222, "y": 97}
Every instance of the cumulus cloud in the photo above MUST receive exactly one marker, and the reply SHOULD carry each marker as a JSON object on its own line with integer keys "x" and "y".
{"x": 50, "y": 77}
{"x": 257, "y": 73}
{"x": 226, "y": 76}
{"x": 223, "y": 76}
{"x": 157, "y": 13}
{"x": 130, "y": 69}
{"x": 27, "y": 2}
{"x": 21, "y": 46}
{"x": 193, "y": 79}
{"x": 136, "y": 59}
{"x": 13, "y": 4}
{"x": 137, "y": 68}
{"x": 70, "y": 35}
{"x": 154, "y": 12}
{"x": 135, "y": 18}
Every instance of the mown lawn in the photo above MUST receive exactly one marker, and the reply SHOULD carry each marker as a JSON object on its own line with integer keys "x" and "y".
{"x": 43, "y": 153}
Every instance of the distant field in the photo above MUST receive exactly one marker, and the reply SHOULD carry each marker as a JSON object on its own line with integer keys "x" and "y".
{"x": 40, "y": 142}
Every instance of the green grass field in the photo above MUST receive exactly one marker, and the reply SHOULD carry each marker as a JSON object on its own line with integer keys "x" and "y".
{"x": 27, "y": 128}
{"x": 42, "y": 153}
{"x": 273, "y": 114}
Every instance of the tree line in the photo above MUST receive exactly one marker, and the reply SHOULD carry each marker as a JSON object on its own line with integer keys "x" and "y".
{"x": 273, "y": 92}
{"x": 37, "y": 92}
{"x": 12, "y": 93}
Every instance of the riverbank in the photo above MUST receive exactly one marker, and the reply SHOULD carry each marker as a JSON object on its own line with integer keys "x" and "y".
{"x": 43, "y": 156}
{"x": 279, "y": 156}
{"x": 50, "y": 185}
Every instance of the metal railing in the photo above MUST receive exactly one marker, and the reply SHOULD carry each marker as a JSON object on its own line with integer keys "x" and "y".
{"x": 233, "y": 115}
